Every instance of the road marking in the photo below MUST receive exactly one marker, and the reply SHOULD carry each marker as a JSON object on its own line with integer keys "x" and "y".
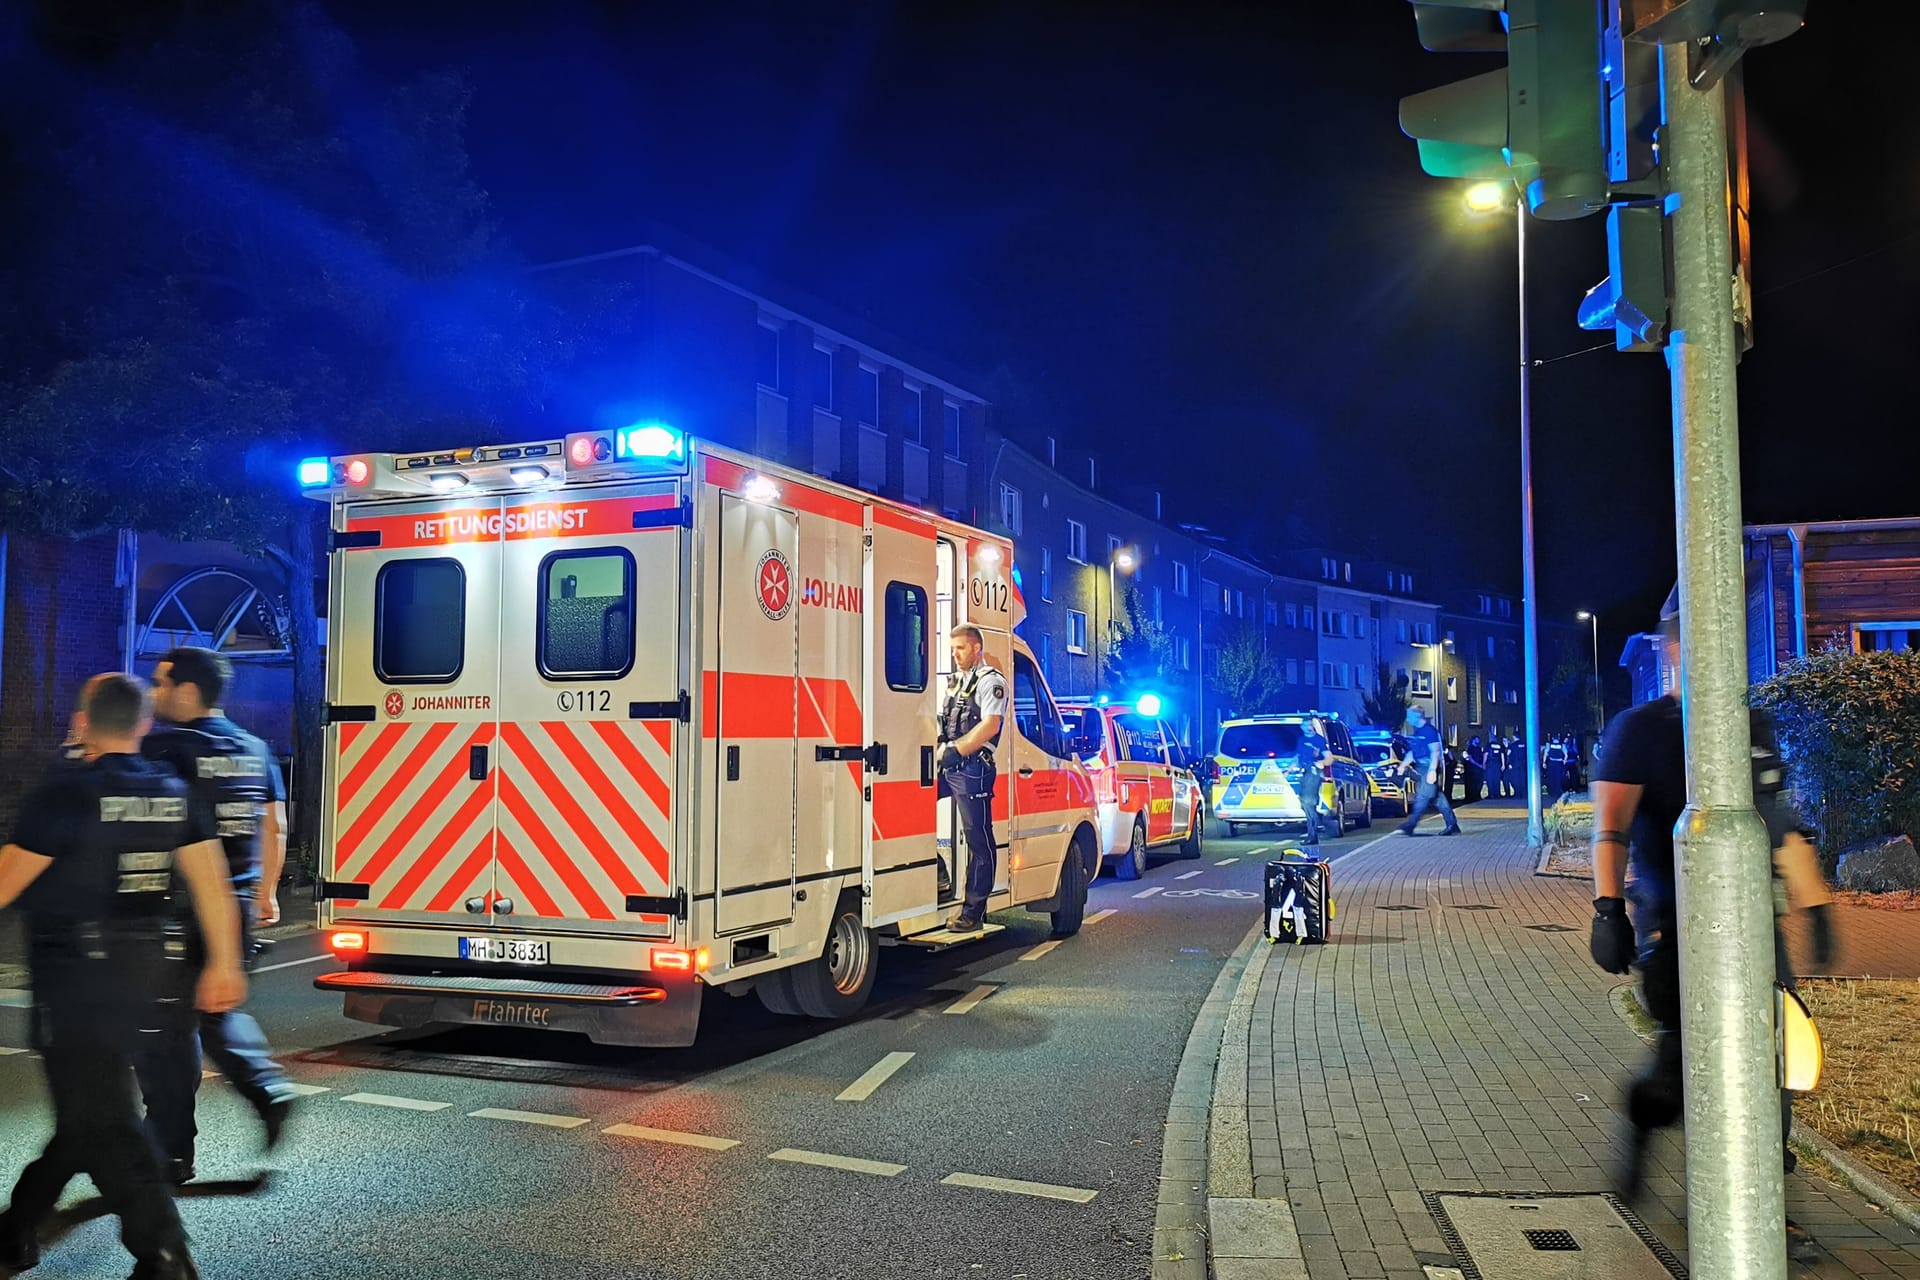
{"x": 13, "y": 998}
{"x": 527, "y": 1117}
{"x": 675, "y": 1136}
{"x": 304, "y": 1090}
{"x": 291, "y": 964}
{"x": 1098, "y": 916}
{"x": 878, "y": 1168}
{"x": 967, "y": 1002}
{"x": 398, "y": 1104}
{"x": 1226, "y": 862}
{"x": 7, "y": 1053}
{"x": 1045, "y": 1190}
{"x": 1041, "y": 950}
{"x": 1147, "y": 893}
{"x": 1190, "y": 875}
{"x": 882, "y": 1071}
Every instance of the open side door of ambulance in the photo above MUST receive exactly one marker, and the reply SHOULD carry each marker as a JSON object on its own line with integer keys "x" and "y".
{"x": 901, "y": 694}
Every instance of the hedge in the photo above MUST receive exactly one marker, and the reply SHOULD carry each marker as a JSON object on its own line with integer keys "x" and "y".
{"x": 1849, "y": 726}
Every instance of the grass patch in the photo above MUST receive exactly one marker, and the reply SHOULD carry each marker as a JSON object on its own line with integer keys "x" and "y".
{"x": 1868, "y": 1102}
{"x": 1569, "y": 831}
{"x": 1898, "y": 900}
{"x": 1639, "y": 1019}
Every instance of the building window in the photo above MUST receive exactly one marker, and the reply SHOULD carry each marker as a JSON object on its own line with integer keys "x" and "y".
{"x": 951, "y": 426}
{"x": 1292, "y": 675}
{"x": 867, "y": 401}
{"x": 1349, "y": 570}
{"x": 1453, "y": 688}
{"x": 1180, "y": 585}
{"x": 1076, "y": 631}
{"x": 1422, "y": 684}
{"x": 1486, "y": 604}
{"x": 420, "y": 621}
{"x": 1046, "y": 573}
{"x": 1113, "y": 548}
{"x": 1157, "y": 617}
{"x": 1293, "y": 614}
{"x": 1506, "y": 608}
{"x": 1326, "y": 622}
{"x": 1076, "y": 541}
{"x": 1046, "y": 654}
{"x": 1092, "y": 479}
{"x": 1406, "y": 583}
{"x": 1513, "y": 696}
{"x": 766, "y": 355}
{"x": 1306, "y": 616}
{"x": 822, "y": 378}
{"x": 1886, "y": 637}
{"x": 906, "y": 637}
{"x": 1183, "y": 653}
{"x": 1010, "y": 508}
{"x": 1238, "y": 599}
{"x": 910, "y": 415}
{"x": 1053, "y": 452}
{"x": 1328, "y": 569}
{"x": 1326, "y": 675}
{"x": 1450, "y": 640}
{"x": 1400, "y": 630}
{"x": 1273, "y": 613}
{"x": 1210, "y": 660}
{"x": 1493, "y": 691}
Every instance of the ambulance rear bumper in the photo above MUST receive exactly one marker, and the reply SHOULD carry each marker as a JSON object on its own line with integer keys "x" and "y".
{"x": 651, "y": 1013}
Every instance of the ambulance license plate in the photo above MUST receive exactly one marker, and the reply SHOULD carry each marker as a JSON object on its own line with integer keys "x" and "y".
{"x": 507, "y": 950}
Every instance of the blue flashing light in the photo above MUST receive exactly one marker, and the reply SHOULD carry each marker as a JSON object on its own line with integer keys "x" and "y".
{"x": 1147, "y": 704}
{"x": 1102, "y": 700}
{"x": 315, "y": 472}
{"x": 653, "y": 441}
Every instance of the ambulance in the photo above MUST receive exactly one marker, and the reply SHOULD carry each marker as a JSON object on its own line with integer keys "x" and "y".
{"x": 1147, "y": 797}
{"x": 620, "y": 719}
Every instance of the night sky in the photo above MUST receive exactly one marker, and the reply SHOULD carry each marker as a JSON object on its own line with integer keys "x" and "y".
{"x": 1192, "y": 238}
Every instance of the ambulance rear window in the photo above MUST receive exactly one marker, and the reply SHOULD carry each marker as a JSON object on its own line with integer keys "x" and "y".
{"x": 420, "y": 621}
{"x": 586, "y": 614}
{"x": 906, "y": 637}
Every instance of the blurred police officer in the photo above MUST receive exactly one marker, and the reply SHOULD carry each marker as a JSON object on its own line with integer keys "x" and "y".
{"x": 1426, "y": 760}
{"x": 237, "y": 778}
{"x": 969, "y": 726}
{"x": 97, "y": 854}
{"x": 1314, "y": 757}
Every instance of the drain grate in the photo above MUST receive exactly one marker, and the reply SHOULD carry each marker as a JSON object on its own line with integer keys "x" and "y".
{"x": 1475, "y": 906}
{"x": 1400, "y": 907}
{"x": 1549, "y": 1237}
{"x": 1549, "y": 928}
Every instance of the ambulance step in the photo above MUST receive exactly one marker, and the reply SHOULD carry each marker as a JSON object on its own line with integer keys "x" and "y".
{"x": 365, "y": 982}
{"x": 942, "y": 938}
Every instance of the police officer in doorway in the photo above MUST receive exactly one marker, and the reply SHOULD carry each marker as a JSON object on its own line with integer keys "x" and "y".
{"x": 969, "y": 726}
{"x": 99, "y": 850}
{"x": 237, "y": 778}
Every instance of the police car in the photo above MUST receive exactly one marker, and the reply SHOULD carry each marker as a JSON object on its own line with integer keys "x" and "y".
{"x": 1379, "y": 752}
{"x": 1260, "y": 775}
{"x": 1146, "y": 797}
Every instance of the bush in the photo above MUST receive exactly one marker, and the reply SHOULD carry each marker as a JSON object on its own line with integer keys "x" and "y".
{"x": 1849, "y": 726}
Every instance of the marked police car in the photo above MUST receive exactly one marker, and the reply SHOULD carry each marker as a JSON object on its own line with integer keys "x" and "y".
{"x": 1260, "y": 774}
{"x": 1379, "y": 752}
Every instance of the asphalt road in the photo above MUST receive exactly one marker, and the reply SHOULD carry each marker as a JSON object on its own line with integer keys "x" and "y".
{"x": 1018, "y": 1136}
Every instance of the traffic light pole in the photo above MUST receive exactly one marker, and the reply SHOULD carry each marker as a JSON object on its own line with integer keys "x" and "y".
{"x": 1735, "y": 1180}
{"x": 1529, "y": 611}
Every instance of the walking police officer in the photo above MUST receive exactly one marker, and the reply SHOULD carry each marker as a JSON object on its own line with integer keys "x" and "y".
{"x": 233, "y": 773}
{"x": 93, "y": 860}
{"x": 969, "y": 726}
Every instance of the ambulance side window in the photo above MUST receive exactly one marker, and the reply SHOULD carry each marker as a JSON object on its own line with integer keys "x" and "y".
{"x": 419, "y": 621}
{"x": 906, "y": 637}
{"x": 586, "y": 615}
{"x": 1033, "y": 709}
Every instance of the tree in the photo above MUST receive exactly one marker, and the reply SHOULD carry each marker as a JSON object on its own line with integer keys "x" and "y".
{"x": 305, "y": 265}
{"x": 1142, "y": 651}
{"x": 1387, "y": 705}
{"x": 1569, "y": 699}
{"x": 1243, "y": 675}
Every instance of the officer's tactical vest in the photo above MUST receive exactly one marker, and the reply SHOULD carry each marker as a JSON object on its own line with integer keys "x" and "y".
{"x": 961, "y": 715}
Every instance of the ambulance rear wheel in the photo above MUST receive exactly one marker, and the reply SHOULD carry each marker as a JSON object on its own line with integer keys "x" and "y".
{"x": 1132, "y": 864}
{"x": 838, "y": 983}
{"x": 1074, "y": 875}
{"x": 776, "y": 993}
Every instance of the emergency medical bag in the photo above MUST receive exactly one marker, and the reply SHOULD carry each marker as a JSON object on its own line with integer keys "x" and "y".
{"x": 1299, "y": 898}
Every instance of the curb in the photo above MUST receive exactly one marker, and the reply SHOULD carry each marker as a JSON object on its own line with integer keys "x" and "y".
{"x": 1180, "y": 1218}
{"x": 1864, "y": 1180}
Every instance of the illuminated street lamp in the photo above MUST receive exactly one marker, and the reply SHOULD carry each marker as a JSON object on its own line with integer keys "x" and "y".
{"x": 1123, "y": 560}
{"x": 1599, "y": 696}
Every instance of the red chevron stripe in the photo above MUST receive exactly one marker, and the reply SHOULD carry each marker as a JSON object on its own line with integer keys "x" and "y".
{"x": 524, "y": 880}
{"x": 463, "y": 875}
{"x": 403, "y": 777}
{"x": 656, "y": 788}
{"x": 662, "y": 731}
{"x": 386, "y": 738}
{"x": 547, "y": 847}
{"x": 580, "y": 826}
{"x": 452, "y": 774}
{"x": 350, "y": 733}
{"x": 430, "y": 858}
{"x": 631, "y": 823}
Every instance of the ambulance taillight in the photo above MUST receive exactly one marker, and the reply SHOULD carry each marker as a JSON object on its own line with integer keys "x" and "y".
{"x": 346, "y": 942}
{"x": 674, "y": 960}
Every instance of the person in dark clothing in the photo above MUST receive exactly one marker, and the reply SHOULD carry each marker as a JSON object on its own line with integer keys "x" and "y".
{"x": 970, "y": 723}
{"x": 1553, "y": 763}
{"x": 1314, "y": 758}
{"x": 1639, "y": 794}
{"x": 1424, "y": 759}
{"x": 237, "y": 777}
{"x": 100, "y": 849}
{"x": 1476, "y": 769}
{"x": 1496, "y": 767}
{"x": 1519, "y": 766}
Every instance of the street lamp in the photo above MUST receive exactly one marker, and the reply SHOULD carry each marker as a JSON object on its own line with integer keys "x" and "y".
{"x": 1599, "y": 696}
{"x": 1123, "y": 560}
{"x": 1485, "y": 198}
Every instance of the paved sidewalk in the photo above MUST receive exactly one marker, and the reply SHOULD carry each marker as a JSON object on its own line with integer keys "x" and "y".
{"x": 1444, "y": 1041}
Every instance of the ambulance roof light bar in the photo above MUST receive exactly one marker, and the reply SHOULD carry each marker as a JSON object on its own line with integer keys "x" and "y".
{"x": 407, "y": 474}
{"x": 642, "y": 447}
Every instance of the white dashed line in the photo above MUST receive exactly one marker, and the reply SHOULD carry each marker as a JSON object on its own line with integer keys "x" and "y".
{"x": 1041, "y": 950}
{"x": 882, "y": 1071}
{"x": 878, "y": 1168}
{"x": 305, "y": 1090}
{"x": 1045, "y": 1190}
{"x": 7, "y": 1053}
{"x": 1190, "y": 875}
{"x": 398, "y": 1104}
{"x": 527, "y": 1117}
{"x": 1098, "y": 916}
{"x": 967, "y": 1002}
{"x": 1226, "y": 862}
{"x": 12, "y": 998}
{"x": 1147, "y": 893}
{"x": 291, "y": 964}
{"x": 673, "y": 1136}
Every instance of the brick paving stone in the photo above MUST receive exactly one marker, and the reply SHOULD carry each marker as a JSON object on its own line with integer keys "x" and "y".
{"x": 1466, "y": 1052}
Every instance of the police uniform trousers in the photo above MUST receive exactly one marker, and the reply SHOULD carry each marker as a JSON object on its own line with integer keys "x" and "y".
{"x": 971, "y": 786}
{"x": 98, "y": 993}
{"x": 169, "y": 1064}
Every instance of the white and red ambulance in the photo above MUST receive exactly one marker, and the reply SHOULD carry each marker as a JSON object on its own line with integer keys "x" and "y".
{"x": 618, "y": 718}
{"x": 1147, "y": 797}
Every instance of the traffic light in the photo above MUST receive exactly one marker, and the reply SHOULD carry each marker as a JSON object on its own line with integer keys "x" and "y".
{"x": 1632, "y": 300}
{"x": 1538, "y": 121}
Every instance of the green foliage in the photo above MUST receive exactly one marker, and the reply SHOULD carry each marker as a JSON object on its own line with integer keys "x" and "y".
{"x": 1386, "y": 706}
{"x": 1849, "y": 727}
{"x": 1244, "y": 674}
{"x": 1142, "y": 652}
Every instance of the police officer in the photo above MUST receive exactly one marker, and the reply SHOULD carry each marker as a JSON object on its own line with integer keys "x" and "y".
{"x": 969, "y": 726}
{"x": 1314, "y": 757}
{"x": 1426, "y": 760}
{"x": 233, "y": 773}
{"x": 95, "y": 859}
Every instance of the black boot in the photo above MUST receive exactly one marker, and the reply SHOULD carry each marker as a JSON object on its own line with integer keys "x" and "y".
{"x": 19, "y": 1244}
{"x": 171, "y": 1263}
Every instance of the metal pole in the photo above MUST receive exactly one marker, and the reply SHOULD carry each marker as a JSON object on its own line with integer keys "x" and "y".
{"x": 1529, "y": 620}
{"x": 1736, "y": 1185}
{"x": 1599, "y": 695}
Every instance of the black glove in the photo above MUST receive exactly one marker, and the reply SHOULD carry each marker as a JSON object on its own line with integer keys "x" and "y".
{"x": 1822, "y": 921}
{"x": 951, "y": 758}
{"x": 1612, "y": 942}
